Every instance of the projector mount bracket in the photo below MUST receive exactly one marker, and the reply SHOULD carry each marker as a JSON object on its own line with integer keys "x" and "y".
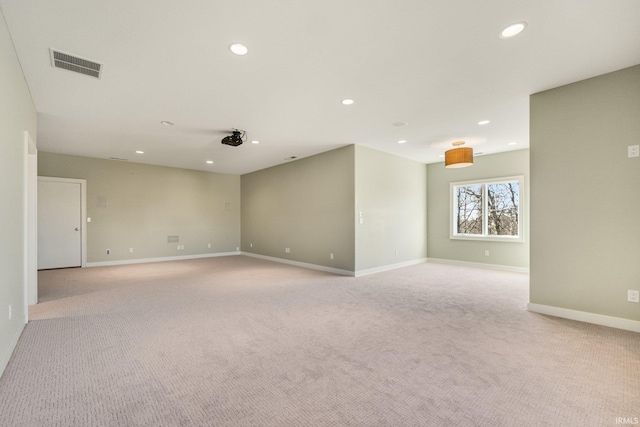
{"x": 236, "y": 138}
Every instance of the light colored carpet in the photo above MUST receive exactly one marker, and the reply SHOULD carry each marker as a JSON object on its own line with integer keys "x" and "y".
{"x": 238, "y": 341}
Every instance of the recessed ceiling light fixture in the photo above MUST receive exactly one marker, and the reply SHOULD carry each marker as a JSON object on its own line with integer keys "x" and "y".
{"x": 255, "y": 142}
{"x": 400, "y": 124}
{"x": 513, "y": 30}
{"x": 347, "y": 101}
{"x": 139, "y": 152}
{"x": 402, "y": 141}
{"x": 513, "y": 143}
{"x": 484, "y": 122}
{"x": 238, "y": 49}
{"x": 209, "y": 162}
{"x": 166, "y": 123}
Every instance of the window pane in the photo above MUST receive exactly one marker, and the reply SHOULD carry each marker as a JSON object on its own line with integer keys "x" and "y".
{"x": 469, "y": 213}
{"x": 502, "y": 207}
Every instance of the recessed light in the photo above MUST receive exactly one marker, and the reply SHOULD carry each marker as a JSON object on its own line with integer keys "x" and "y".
{"x": 139, "y": 152}
{"x": 513, "y": 30}
{"x": 166, "y": 123}
{"x": 346, "y": 101}
{"x": 238, "y": 49}
{"x": 400, "y": 124}
{"x": 210, "y": 162}
{"x": 402, "y": 141}
{"x": 513, "y": 143}
{"x": 484, "y": 122}
{"x": 255, "y": 142}
{"x": 441, "y": 156}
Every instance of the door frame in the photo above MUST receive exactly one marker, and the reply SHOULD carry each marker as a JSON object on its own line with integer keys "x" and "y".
{"x": 83, "y": 210}
{"x": 31, "y": 223}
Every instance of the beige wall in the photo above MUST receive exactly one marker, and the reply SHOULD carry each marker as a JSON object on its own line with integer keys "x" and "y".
{"x": 391, "y": 201}
{"x": 307, "y": 206}
{"x": 137, "y": 206}
{"x": 585, "y": 195}
{"x": 440, "y": 246}
{"x": 17, "y": 114}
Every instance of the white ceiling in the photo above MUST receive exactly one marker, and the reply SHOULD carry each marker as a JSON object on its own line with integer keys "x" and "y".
{"x": 440, "y": 66}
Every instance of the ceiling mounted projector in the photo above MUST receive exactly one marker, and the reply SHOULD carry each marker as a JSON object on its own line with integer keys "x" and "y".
{"x": 236, "y": 138}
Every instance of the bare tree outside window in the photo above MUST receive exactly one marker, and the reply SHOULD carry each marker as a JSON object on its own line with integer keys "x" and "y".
{"x": 488, "y": 210}
{"x": 469, "y": 217}
{"x": 502, "y": 204}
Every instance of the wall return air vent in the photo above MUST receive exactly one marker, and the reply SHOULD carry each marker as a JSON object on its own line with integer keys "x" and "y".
{"x": 75, "y": 64}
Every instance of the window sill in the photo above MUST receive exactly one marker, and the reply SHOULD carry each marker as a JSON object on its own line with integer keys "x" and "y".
{"x": 505, "y": 239}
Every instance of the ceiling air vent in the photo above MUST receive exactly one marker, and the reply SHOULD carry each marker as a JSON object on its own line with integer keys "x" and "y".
{"x": 75, "y": 64}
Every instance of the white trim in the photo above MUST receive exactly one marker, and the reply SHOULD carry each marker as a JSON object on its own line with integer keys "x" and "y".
{"x": 389, "y": 267}
{"x": 479, "y": 265}
{"x": 83, "y": 210}
{"x": 583, "y": 316}
{"x": 485, "y": 236}
{"x": 10, "y": 349}
{"x": 301, "y": 264}
{"x": 158, "y": 259}
{"x": 337, "y": 270}
{"x": 30, "y": 223}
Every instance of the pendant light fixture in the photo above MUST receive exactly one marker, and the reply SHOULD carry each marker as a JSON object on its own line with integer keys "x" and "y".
{"x": 458, "y": 157}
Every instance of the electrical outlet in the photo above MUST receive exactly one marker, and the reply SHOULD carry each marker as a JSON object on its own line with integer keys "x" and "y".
{"x": 10, "y": 311}
{"x": 633, "y": 150}
{"x": 287, "y": 250}
{"x": 330, "y": 256}
{"x": 250, "y": 245}
{"x": 633, "y": 296}
{"x": 396, "y": 252}
{"x": 130, "y": 250}
{"x": 209, "y": 245}
{"x": 486, "y": 253}
{"x": 108, "y": 251}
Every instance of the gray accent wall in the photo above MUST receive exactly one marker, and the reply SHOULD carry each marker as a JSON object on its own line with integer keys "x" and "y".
{"x": 306, "y": 205}
{"x": 440, "y": 246}
{"x": 133, "y": 205}
{"x": 585, "y": 195}
{"x": 391, "y": 209}
{"x": 17, "y": 115}
{"x": 312, "y": 206}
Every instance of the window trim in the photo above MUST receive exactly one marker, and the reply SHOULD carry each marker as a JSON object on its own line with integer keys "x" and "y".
{"x": 485, "y": 237}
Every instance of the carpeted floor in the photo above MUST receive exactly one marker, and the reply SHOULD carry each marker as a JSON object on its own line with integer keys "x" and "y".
{"x": 238, "y": 341}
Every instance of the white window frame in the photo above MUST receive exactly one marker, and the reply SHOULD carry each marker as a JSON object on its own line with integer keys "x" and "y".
{"x": 454, "y": 235}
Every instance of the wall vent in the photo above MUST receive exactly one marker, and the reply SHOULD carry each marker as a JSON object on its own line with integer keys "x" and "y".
{"x": 75, "y": 64}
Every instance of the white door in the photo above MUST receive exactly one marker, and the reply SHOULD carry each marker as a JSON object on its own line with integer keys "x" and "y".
{"x": 59, "y": 224}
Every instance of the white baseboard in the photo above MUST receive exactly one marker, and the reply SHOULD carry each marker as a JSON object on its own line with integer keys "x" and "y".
{"x": 159, "y": 259}
{"x": 583, "y": 316}
{"x": 9, "y": 351}
{"x": 301, "y": 264}
{"x": 389, "y": 267}
{"x": 479, "y": 265}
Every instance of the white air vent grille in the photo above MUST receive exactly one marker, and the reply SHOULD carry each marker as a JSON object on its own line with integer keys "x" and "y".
{"x": 75, "y": 64}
